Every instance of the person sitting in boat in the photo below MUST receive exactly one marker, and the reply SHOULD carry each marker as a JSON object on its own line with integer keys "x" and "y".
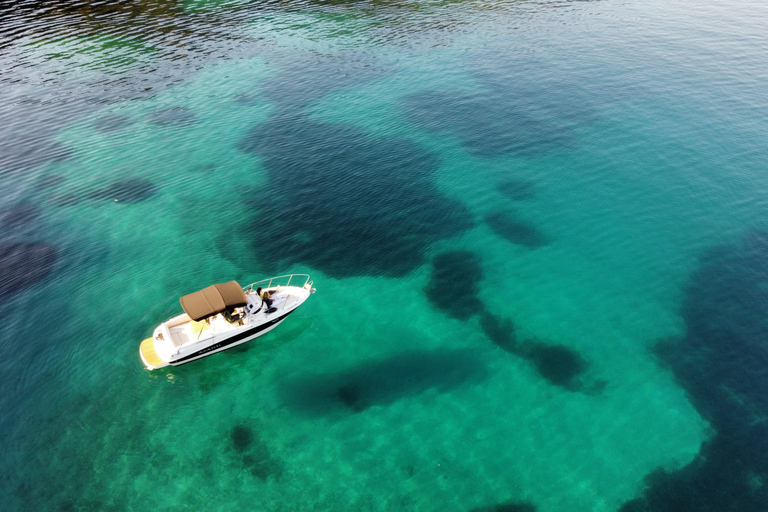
{"x": 265, "y": 298}
{"x": 232, "y": 316}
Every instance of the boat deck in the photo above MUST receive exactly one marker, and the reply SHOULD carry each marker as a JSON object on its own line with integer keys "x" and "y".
{"x": 149, "y": 353}
{"x": 194, "y": 331}
{"x": 181, "y": 339}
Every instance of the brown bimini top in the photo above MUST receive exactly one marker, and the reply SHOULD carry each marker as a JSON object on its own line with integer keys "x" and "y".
{"x": 212, "y": 300}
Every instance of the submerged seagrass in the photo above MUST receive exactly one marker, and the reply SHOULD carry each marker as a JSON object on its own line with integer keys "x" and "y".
{"x": 323, "y": 176}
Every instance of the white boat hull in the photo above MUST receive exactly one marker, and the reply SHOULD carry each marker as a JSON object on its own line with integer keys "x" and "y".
{"x": 226, "y": 344}
{"x": 177, "y": 342}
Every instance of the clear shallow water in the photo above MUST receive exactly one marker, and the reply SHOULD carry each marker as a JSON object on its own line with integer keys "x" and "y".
{"x": 575, "y": 160}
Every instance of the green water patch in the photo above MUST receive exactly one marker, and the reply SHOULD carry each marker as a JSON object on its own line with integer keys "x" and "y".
{"x": 173, "y": 116}
{"x": 517, "y": 189}
{"x": 253, "y": 452}
{"x": 488, "y": 123}
{"x": 345, "y": 202}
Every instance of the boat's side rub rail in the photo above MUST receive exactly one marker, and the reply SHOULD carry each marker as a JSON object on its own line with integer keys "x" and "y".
{"x": 277, "y": 281}
{"x": 233, "y": 339}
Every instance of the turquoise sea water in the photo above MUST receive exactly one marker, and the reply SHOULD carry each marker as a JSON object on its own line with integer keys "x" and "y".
{"x": 511, "y": 211}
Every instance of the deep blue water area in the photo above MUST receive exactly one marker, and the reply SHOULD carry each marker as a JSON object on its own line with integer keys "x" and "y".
{"x": 723, "y": 364}
{"x": 538, "y": 233}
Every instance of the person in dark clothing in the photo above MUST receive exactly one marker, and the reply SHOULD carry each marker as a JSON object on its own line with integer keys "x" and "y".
{"x": 232, "y": 316}
{"x": 265, "y": 298}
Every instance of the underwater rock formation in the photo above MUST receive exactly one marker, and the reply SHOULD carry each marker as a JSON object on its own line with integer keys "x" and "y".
{"x": 345, "y": 202}
{"x": 501, "y": 331}
{"x": 242, "y": 437}
{"x": 24, "y": 264}
{"x": 385, "y": 381}
{"x": 517, "y": 190}
{"x": 722, "y": 362}
{"x": 253, "y": 453}
{"x": 559, "y": 365}
{"x": 131, "y": 190}
{"x": 454, "y": 284}
{"x": 508, "y": 226}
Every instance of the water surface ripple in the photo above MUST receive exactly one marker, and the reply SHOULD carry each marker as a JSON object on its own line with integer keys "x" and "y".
{"x": 536, "y": 228}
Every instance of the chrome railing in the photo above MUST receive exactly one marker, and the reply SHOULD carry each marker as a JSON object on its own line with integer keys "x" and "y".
{"x": 281, "y": 281}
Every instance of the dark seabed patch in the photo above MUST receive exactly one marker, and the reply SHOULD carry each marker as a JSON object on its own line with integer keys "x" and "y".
{"x": 18, "y": 215}
{"x": 242, "y": 437}
{"x": 131, "y": 190}
{"x": 24, "y": 264}
{"x": 113, "y": 123}
{"x": 508, "y": 226}
{"x": 516, "y": 189}
{"x": 174, "y": 116}
{"x": 488, "y": 123}
{"x": 254, "y": 453}
{"x": 454, "y": 284}
{"x": 722, "y": 362}
{"x": 384, "y": 381}
{"x": 509, "y": 506}
{"x": 344, "y": 202}
{"x": 501, "y": 331}
{"x": 557, "y": 364}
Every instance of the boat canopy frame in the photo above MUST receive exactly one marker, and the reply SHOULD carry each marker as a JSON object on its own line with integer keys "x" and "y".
{"x": 213, "y": 300}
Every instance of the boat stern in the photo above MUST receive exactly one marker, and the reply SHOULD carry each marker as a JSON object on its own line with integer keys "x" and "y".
{"x": 149, "y": 355}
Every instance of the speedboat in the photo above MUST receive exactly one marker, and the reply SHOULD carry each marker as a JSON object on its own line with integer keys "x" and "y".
{"x": 223, "y": 316}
